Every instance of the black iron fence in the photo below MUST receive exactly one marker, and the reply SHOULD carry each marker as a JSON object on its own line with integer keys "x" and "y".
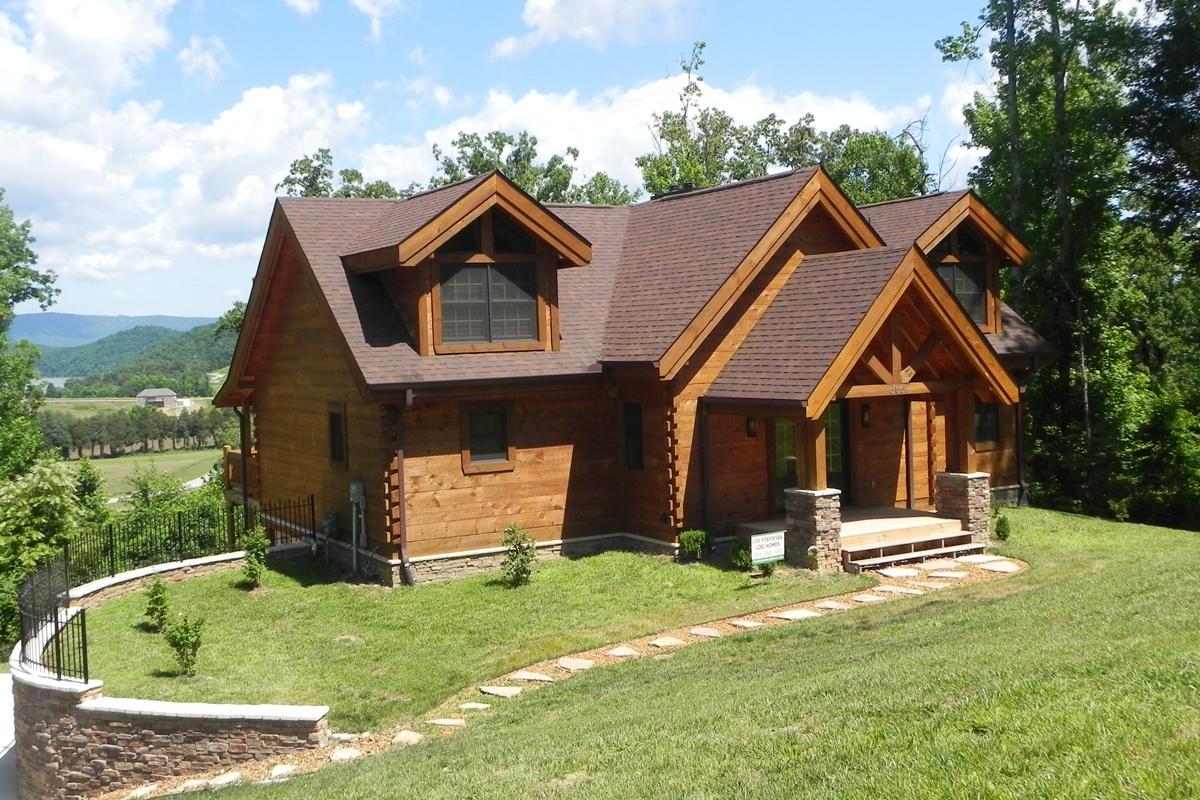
{"x": 54, "y": 635}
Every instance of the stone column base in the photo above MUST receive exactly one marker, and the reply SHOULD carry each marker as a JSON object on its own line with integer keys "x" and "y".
{"x": 814, "y": 519}
{"x": 966, "y": 496}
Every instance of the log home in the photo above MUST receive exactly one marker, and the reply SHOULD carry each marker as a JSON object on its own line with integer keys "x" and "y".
{"x": 758, "y": 356}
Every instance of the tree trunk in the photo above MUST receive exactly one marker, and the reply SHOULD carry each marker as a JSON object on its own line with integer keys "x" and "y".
{"x": 1014, "y": 141}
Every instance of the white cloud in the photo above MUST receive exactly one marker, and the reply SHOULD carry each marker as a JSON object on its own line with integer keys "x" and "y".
{"x": 593, "y": 22}
{"x": 234, "y": 294}
{"x": 377, "y": 11}
{"x": 417, "y": 56}
{"x": 304, "y": 7}
{"x": 118, "y": 295}
{"x": 204, "y": 58}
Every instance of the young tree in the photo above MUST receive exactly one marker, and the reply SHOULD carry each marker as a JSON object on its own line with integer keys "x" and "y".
{"x": 231, "y": 321}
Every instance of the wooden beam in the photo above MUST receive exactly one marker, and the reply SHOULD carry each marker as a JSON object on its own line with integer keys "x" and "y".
{"x": 922, "y": 355}
{"x": 876, "y": 366}
{"x": 909, "y": 389}
{"x": 894, "y": 334}
{"x": 812, "y": 445}
{"x": 910, "y": 479}
{"x": 960, "y": 455}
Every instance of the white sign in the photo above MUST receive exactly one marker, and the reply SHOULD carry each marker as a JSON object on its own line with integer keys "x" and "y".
{"x": 766, "y": 547}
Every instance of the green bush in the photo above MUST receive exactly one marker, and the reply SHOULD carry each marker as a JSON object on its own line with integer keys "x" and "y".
{"x": 255, "y": 544}
{"x": 768, "y": 569}
{"x": 693, "y": 544}
{"x": 520, "y": 552}
{"x": 156, "y": 604}
{"x": 739, "y": 555}
{"x": 183, "y": 635}
{"x": 1003, "y": 528}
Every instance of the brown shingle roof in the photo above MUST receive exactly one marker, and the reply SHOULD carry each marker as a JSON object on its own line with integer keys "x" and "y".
{"x": 679, "y": 250}
{"x": 399, "y": 219}
{"x": 1017, "y": 339}
{"x": 901, "y": 222}
{"x": 807, "y": 325}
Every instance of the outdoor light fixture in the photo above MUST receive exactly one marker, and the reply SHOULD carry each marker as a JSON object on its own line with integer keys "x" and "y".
{"x": 751, "y": 427}
{"x": 866, "y": 416}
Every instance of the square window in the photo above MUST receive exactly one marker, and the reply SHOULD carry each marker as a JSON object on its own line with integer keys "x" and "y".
{"x": 486, "y": 441}
{"x": 987, "y": 423}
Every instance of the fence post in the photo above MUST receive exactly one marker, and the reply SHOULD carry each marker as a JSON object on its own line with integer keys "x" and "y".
{"x": 83, "y": 642}
{"x": 112, "y": 551}
{"x": 179, "y": 533}
{"x": 57, "y": 640}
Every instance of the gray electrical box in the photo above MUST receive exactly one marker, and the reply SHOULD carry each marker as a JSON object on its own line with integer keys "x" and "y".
{"x": 358, "y": 494}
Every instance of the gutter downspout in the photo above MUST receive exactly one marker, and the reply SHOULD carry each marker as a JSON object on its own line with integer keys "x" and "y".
{"x": 405, "y": 567}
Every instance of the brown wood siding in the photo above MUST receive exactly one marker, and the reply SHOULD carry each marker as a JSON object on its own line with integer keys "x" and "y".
{"x": 818, "y": 233}
{"x": 564, "y": 481}
{"x": 878, "y": 453}
{"x": 739, "y": 473}
{"x": 1001, "y": 461}
{"x": 646, "y": 497}
{"x": 301, "y": 369}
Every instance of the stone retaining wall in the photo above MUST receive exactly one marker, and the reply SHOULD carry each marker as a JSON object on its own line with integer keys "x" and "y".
{"x": 814, "y": 519}
{"x": 74, "y": 743}
{"x": 965, "y": 496}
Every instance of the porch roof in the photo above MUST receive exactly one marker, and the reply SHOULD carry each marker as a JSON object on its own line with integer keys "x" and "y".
{"x": 807, "y": 326}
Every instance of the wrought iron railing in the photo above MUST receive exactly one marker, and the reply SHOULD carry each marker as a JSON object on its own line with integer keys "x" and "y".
{"x": 53, "y": 635}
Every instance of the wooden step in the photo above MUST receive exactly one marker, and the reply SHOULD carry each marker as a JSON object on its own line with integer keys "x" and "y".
{"x": 935, "y": 538}
{"x": 859, "y": 564}
{"x": 899, "y": 532}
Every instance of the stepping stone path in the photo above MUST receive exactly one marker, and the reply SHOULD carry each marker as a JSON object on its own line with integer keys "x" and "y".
{"x": 228, "y": 779}
{"x": 868, "y": 598}
{"x": 1000, "y": 566}
{"x": 499, "y": 691}
{"x": 576, "y": 664}
{"x": 624, "y": 651}
{"x": 978, "y": 558}
{"x": 142, "y": 791}
{"x": 530, "y": 676}
{"x": 282, "y": 771}
{"x": 899, "y": 572}
{"x": 938, "y": 563}
{"x": 343, "y": 738}
{"x": 794, "y": 614}
{"x": 930, "y": 584}
{"x": 746, "y": 623}
{"x": 449, "y": 722}
{"x": 474, "y": 707}
{"x": 834, "y": 605}
{"x": 707, "y": 633}
{"x": 194, "y": 785}
{"x": 666, "y": 641}
{"x": 344, "y": 754}
{"x": 898, "y": 590}
{"x": 949, "y": 574}
{"x": 405, "y": 738}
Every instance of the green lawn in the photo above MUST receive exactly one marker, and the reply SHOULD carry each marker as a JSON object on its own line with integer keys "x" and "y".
{"x": 380, "y": 656}
{"x": 1077, "y": 679}
{"x": 183, "y": 464}
{"x": 90, "y": 406}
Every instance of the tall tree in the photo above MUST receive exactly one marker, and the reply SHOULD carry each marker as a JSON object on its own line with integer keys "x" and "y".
{"x": 313, "y": 176}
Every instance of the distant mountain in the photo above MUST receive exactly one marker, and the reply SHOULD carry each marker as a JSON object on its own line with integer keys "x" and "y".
{"x": 53, "y": 329}
{"x": 105, "y": 355}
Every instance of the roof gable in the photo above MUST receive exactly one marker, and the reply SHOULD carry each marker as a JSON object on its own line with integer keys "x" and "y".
{"x": 927, "y": 219}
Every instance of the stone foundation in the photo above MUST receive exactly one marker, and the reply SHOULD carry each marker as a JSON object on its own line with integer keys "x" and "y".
{"x": 814, "y": 518}
{"x": 967, "y": 498}
{"x": 426, "y": 569}
{"x": 1010, "y": 496}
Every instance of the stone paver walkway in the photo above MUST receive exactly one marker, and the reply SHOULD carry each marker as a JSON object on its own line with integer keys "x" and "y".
{"x": 906, "y": 583}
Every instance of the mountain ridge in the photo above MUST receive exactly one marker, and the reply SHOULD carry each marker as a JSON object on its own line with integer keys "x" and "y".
{"x": 59, "y": 329}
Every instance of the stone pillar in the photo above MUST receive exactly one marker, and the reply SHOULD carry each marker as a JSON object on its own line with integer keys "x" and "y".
{"x": 966, "y": 496}
{"x": 814, "y": 518}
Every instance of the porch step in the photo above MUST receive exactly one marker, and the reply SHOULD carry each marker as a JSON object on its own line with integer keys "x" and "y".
{"x": 884, "y": 532}
{"x": 860, "y": 564}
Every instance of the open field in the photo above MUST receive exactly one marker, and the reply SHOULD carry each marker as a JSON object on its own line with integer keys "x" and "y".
{"x": 380, "y": 656}
{"x": 183, "y": 464}
{"x": 1079, "y": 678}
{"x": 90, "y": 406}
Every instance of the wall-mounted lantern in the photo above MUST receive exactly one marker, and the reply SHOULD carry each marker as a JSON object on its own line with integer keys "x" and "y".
{"x": 751, "y": 427}
{"x": 866, "y": 416}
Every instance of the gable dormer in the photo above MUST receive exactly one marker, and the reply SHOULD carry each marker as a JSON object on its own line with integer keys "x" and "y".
{"x": 473, "y": 270}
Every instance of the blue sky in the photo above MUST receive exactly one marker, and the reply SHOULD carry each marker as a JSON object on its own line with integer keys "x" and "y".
{"x": 144, "y": 138}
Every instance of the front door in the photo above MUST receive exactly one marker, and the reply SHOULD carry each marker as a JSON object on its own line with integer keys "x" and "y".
{"x": 837, "y": 451}
{"x": 783, "y": 461}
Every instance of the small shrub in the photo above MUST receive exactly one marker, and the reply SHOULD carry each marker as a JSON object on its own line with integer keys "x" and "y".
{"x": 767, "y": 569}
{"x": 183, "y": 635}
{"x": 156, "y": 604}
{"x": 1003, "y": 528}
{"x": 255, "y": 544}
{"x": 739, "y": 555}
{"x": 520, "y": 552}
{"x": 693, "y": 544}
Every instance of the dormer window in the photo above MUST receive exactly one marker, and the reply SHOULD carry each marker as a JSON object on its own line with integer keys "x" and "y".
{"x": 962, "y": 262}
{"x": 488, "y": 293}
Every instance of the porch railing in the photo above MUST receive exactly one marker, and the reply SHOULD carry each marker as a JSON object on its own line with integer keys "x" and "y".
{"x": 233, "y": 471}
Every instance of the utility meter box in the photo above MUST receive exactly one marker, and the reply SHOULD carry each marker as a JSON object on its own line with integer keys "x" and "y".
{"x": 358, "y": 495}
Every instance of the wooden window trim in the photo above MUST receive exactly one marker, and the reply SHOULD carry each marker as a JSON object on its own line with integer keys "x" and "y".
{"x": 991, "y": 264}
{"x": 545, "y": 279}
{"x": 470, "y": 467}
{"x": 344, "y": 462}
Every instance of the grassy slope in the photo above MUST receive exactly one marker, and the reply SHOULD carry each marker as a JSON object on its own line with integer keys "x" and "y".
{"x": 89, "y": 406}
{"x": 183, "y": 464}
{"x": 1078, "y": 679}
{"x": 380, "y": 656}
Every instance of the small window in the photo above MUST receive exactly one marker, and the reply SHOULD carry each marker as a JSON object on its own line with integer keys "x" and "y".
{"x": 489, "y": 303}
{"x": 634, "y": 452}
{"x": 468, "y": 240}
{"x": 487, "y": 445}
{"x": 509, "y": 237}
{"x": 337, "y": 435}
{"x": 961, "y": 262}
{"x": 987, "y": 424}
